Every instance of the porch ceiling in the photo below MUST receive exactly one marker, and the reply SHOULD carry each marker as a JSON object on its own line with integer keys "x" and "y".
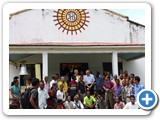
{"x": 131, "y": 56}
{"x": 17, "y": 57}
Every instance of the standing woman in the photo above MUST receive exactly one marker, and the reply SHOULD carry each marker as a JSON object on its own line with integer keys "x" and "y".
{"x": 16, "y": 92}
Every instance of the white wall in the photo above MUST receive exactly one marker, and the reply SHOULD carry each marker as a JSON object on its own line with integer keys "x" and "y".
{"x": 137, "y": 67}
{"x": 37, "y": 26}
{"x": 13, "y": 71}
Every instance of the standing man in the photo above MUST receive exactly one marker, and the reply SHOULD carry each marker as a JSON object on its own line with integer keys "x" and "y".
{"x": 123, "y": 92}
{"x": 137, "y": 86}
{"x": 46, "y": 83}
{"x": 108, "y": 85}
{"x": 73, "y": 88}
{"x": 64, "y": 83}
{"x": 42, "y": 96}
{"x": 129, "y": 90}
{"x": 89, "y": 81}
{"x": 117, "y": 89}
{"x": 98, "y": 83}
{"x": 34, "y": 94}
{"x": 132, "y": 104}
{"x": 61, "y": 94}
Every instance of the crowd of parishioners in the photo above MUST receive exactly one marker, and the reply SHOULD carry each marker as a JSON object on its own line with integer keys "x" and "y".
{"x": 86, "y": 91}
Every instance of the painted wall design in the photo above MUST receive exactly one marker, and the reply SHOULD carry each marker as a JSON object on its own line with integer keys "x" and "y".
{"x": 71, "y": 20}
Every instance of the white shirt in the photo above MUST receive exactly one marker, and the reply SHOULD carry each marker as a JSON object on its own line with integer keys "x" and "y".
{"x": 89, "y": 79}
{"x": 131, "y": 106}
{"x": 46, "y": 86}
{"x": 42, "y": 97}
{"x": 61, "y": 95}
{"x": 69, "y": 105}
{"x": 52, "y": 82}
{"x": 79, "y": 103}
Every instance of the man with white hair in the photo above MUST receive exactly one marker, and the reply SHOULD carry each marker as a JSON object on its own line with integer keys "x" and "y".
{"x": 89, "y": 81}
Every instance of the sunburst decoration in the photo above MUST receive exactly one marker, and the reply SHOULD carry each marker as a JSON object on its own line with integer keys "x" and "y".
{"x": 71, "y": 20}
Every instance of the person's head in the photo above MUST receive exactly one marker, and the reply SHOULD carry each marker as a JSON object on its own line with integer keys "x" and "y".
{"x": 79, "y": 92}
{"x": 81, "y": 73}
{"x": 108, "y": 73}
{"x": 137, "y": 80}
{"x": 61, "y": 87}
{"x": 46, "y": 78}
{"x": 29, "y": 81}
{"x": 67, "y": 74}
{"x": 41, "y": 85}
{"x": 88, "y": 93}
{"x": 54, "y": 86}
{"x": 124, "y": 76}
{"x": 107, "y": 78}
{"x": 97, "y": 74}
{"x": 54, "y": 77}
{"x": 132, "y": 75}
{"x": 95, "y": 92}
{"x": 123, "y": 83}
{"x": 63, "y": 79}
{"x": 117, "y": 82}
{"x": 76, "y": 72}
{"x": 101, "y": 98}
{"x": 117, "y": 99}
{"x": 105, "y": 73}
{"x": 127, "y": 82}
{"x": 68, "y": 98}
{"x": 132, "y": 99}
{"x": 76, "y": 98}
{"x": 74, "y": 78}
{"x": 87, "y": 72}
{"x": 121, "y": 76}
{"x": 15, "y": 81}
{"x": 115, "y": 76}
{"x": 57, "y": 76}
{"x": 35, "y": 82}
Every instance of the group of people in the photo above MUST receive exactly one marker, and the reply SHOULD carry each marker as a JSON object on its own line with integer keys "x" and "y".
{"x": 86, "y": 91}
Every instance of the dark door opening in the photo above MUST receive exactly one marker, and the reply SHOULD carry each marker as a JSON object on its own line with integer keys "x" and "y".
{"x": 107, "y": 66}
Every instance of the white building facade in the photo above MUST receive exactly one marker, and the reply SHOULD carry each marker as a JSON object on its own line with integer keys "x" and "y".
{"x": 98, "y": 39}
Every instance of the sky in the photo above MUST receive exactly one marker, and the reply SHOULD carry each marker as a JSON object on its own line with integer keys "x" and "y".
{"x": 136, "y": 15}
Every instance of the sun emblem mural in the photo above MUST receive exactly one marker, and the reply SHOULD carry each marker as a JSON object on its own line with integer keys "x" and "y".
{"x": 71, "y": 20}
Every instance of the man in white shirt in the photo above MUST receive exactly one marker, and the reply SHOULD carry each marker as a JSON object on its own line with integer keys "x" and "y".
{"x": 69, "y": 104}
{"x": 61, "y": 94}
{"x": 42, "y": 96}
{"x": 54, "y": 80}
{"x": 132, "y": 104}
{"x": 89, "y": 81}
{"x": 78, "y": 103}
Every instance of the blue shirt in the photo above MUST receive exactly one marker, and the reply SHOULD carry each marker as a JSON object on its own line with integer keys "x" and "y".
{"x": 137, "y": 89}
{"x": 16, "y": 90}
{"x": 99, "y": 83}
{"x": 117, "y": 90}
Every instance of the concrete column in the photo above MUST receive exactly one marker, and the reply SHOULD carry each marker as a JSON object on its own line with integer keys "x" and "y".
{"x": 45, "y": 64}
{"x": 115, "y": 63}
